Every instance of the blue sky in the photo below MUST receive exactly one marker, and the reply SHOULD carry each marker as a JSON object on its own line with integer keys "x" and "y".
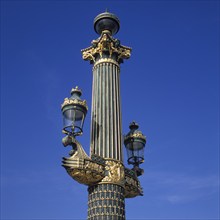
{"x": 170, "y": 86}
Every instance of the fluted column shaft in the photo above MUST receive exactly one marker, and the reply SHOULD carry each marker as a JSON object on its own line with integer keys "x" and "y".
{"x": 106, "y": 137}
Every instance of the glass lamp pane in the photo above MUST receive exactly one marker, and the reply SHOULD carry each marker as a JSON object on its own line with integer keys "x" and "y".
{"x": 73, "y": 120}
{"x": 78, "y": 115}
{"x": 135, "y": 151}
{"x": 69, "y": 114}
{"x": 137, "y": 145}
{"x": 68, "y": 119}
{"x": 79, "y": 124}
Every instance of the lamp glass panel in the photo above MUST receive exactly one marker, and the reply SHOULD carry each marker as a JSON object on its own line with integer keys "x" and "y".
{"x": 79, "y": 115}
{"x": 129, "y": 148}
{"x": 135, "y": 151}
{"x": 68, "y": 117}
{"x": 137, "y": 145}
{"x": 73, "y": 120}
{"x": 79, "y": 122}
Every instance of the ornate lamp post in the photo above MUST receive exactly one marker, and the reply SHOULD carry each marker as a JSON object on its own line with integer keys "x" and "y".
{"x": 108, "y": 181}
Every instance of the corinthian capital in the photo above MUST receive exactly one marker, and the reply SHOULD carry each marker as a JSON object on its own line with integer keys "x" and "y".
{"x": 106, "y": 47}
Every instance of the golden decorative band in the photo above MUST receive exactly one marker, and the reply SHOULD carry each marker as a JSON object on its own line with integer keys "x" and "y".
{"x": 106, "y": 60}
{"x": 68, "y": 101}
{"x": 136, "y": 135}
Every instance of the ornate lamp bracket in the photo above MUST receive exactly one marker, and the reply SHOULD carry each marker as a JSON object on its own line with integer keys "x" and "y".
{"x": 132, "y": 184}
{"x": 90, "y": 171}
{"x": 81, "y": 167}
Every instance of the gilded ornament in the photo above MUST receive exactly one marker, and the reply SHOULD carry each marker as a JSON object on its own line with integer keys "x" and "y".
{"x": 105, "y": 60}
{"x": 114, "y": 172}
{"x": 68, "y": 101}
{"x": 81, "y": 168}
{"x": 106, "y": 43}
{"x": 136, "y": 135}
{"x": 132, "y": 184}
{"x": 96, "y": 169}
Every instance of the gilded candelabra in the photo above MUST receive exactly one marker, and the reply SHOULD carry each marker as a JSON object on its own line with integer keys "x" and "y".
{"x": 109, "y": 181}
